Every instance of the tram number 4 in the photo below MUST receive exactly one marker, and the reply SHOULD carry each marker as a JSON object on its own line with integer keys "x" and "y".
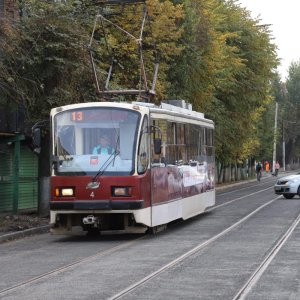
{"x": 92, "y": 195}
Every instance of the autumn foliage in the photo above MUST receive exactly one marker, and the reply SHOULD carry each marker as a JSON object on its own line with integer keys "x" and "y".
{"x": 210, "y": 53}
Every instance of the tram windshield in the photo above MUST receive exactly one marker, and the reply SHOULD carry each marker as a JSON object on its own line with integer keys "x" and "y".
{"x": 95, "y": 140}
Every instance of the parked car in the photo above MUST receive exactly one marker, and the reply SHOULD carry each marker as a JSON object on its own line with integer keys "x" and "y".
{"x": 288, "y": 186}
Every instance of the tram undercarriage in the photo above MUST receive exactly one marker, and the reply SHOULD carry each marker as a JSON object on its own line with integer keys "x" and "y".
{"x": 94, "y": 222}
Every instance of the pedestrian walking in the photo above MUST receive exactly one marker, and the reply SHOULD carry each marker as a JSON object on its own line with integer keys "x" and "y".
{"x": 277, "y": 166}
{"x": 267, "y": 167}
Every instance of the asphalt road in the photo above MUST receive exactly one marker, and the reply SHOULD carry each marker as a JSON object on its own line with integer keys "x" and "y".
{"x": 212, "y": 256}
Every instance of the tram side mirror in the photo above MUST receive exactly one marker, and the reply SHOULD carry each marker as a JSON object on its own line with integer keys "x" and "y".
{"x": 55, "y": 162}
{"x": 36, "y": 140}
{"x": 157, "y": 146}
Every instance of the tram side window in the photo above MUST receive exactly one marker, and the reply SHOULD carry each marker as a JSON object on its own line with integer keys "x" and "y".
{"x": 193, "y": 135}
{"x": 209, "y": 143}
{"x": 171, "y": 153}
{"x": 200, "y": 143}
{"x": 206, "y": 143}
{"x": 188, "y": 142}
{"x": 176, "y": 148}
{"x": 181, "y": 144}
{"x": 143, "y": 152}
{"x": 208, "y": 137}
{"x": 160, "y": 131}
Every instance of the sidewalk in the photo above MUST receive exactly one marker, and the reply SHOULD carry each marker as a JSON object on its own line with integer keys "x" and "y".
{"x": 223, "y": 186}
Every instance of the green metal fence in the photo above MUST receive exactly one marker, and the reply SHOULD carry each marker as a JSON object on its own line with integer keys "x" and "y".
{"x": 18, "y": 176}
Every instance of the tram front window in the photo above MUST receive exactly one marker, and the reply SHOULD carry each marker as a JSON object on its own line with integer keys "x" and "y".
{"x": 90, "y": 140}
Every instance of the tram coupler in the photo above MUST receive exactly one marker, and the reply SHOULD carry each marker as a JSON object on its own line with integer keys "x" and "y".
{"x": 90, "y": 220}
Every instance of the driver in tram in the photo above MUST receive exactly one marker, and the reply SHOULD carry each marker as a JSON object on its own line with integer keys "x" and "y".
{"x": 104, "y": 146}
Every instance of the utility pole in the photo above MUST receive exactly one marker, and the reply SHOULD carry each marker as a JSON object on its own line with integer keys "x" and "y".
{"x": 283, "y": 147}
{"x": 284, "y": 126}
{"x": 275, "y": 133}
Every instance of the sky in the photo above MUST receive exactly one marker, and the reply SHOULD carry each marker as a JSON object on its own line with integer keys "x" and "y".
{"x": 284, "y": 18}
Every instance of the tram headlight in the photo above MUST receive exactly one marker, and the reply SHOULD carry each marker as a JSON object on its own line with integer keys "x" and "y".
{"x": 121, "y": 191}
{"x": 64, "y": 192}
{"x": 67, "y": 192}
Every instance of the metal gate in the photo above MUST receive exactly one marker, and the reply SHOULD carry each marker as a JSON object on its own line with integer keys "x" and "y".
{"x": 7, "y": 182}
{"x": 18, "y": 177}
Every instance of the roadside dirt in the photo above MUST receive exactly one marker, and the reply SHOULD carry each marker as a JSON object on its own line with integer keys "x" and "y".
{"x": 12, "y": 223}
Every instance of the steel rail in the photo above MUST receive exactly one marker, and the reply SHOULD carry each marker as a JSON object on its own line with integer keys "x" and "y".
{"x": 236, "y": 199}
{"x": 254, "y": 278}
{"x": 189, "y": 253}
{"x": 246, "y": 187}
{"x": 68, "y": 266}
{"x": 108, "y": 251}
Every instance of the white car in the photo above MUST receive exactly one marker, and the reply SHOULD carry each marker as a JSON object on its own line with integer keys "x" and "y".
{"x": 288, "y": 186}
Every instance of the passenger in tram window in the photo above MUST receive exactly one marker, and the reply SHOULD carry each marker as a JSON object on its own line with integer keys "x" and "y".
{"x": 104, "y": 146}
{"x": 159, "y": 160}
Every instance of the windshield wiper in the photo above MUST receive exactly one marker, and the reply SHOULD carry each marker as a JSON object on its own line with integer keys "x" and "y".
{"x": 94, "y": 184}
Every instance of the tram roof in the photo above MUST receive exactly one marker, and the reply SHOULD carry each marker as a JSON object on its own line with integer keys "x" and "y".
{"x": 174, "y": 110}
{"x": 162, "y": 108}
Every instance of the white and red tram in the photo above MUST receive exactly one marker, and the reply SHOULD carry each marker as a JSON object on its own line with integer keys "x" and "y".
{"x": 160, "y": 167}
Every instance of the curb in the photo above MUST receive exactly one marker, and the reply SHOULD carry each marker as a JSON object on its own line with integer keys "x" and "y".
{"x": 24, "y": 233}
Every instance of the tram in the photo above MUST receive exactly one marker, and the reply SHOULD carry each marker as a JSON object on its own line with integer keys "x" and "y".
{"x": 155, "y": 166}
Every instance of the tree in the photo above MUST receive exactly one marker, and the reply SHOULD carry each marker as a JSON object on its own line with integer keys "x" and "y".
{"x": 10, "y": 54}
{"x": 225, "y": 71}
{"x": 291, "y": 113}
{"x": 53, "y": 62}
{"x": 211, "y": 53}
{"x": 56, "y": 62}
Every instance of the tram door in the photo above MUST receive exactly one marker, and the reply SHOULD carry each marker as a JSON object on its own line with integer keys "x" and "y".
{"x": 165, "y": 176}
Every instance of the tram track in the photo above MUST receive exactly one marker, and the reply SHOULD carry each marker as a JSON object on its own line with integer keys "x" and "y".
{"x": 222, "y": 193}
{"x": 131, "y": 242}
{"x": 239, "y": 198}
{"x": 256, "y": 275}
{"x": 188, "y": 254}
{"x": 68, "y": 266}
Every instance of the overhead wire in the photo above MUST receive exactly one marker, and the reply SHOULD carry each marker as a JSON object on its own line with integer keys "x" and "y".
{"x": 138, "y": 40}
